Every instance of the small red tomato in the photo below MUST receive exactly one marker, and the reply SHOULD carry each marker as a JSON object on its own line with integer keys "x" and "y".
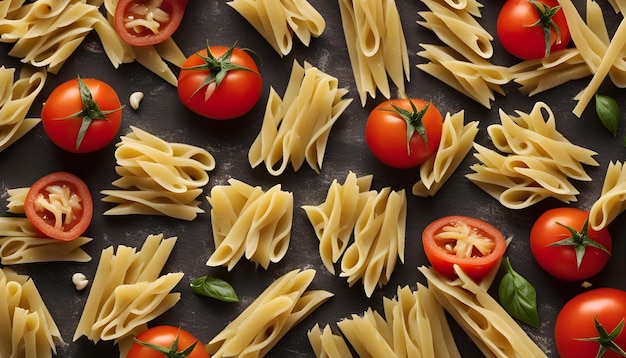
{"x": 472, "y": 244}
{"x": 59, "y": 205}
{"x": 220, "y": 82}
{"x": 564, "y": 245}
{"x": 403, "y": 133}
{"x": 148, "y": 22}
{"x": 531, "y": 29}
{"x": 166, "y": 341}
{"x": 590, "y": 325}
{"x": 82, "y": 115}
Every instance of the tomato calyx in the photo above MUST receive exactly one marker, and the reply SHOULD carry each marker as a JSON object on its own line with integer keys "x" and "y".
{"x": 91, "y": 111}
{"x": 546, "y": 13}
{"x": 218, "y": 69}
{"x": 580, "y": 241}
{"x": 171, "y": 351}
{"x": 606, "y": 339}
{"x": 414, "y": 121}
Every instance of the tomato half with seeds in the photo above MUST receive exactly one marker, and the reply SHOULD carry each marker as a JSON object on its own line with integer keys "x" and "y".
{"x": 166, "y": 341}
{"x": 82, "y": 115}
{"x": 220, "y": 82}
{"x": 566, "y": 247}
{"x": 59, "y": 205}
{"x": 148, "y": 22}
{"x": 591, "y": 325}
{"x": 403, "y": 133}
{"x": 474, "y": 245}
{"x": 532, "y": 29}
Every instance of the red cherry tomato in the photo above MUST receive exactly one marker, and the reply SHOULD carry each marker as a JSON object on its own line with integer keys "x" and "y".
{"x": 148, "y": 22}
{"x": 161, "y": 340}
{"x": 568, "y": 228}
{"x": 202, "y": 89}
{"x": 59, "y": 205}
{"x": 476, "y": 246}
{"x": 389, "y": 128}
{"x": 82, "y": 120}
{"x": 520, "y": 28}
{"x": 586, "y": 318}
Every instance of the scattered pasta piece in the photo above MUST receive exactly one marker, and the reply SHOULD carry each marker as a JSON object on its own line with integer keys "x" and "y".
{"x": 28, "y": 328}
{"x": 457, "y": 139}
{"x": 157, "y": 177}
{"x": 376, "y": 46}
{"x": 281, "y": 306}
{"x": 278, "y": 20}
{"x": 414, "y": 325}
{"x": 377, "y": 221}
{"x": 16, "y": 98}
{"x": 297, "y": 127}
{"x": 46, "y": 33}
{"x": 601, "y": 55}
{"x": 127, "y": 291}
{"x": 247, "y": 221}
{"x": 533, "y": 160}
{"x": 612, "y": 200}
{"x": 491, "y": 328}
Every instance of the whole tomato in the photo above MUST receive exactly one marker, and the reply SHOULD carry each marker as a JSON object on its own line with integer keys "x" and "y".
{"x": 531, "y": 29}
{"x": 590, "y": 325}
{"x": 472, "y": 244}
{"x": 403, "y": 133}
{"x": 220, "y": 82}
{"x": 566, "y": 247}
{"x": 82, "y": 115}
{"x": 166, "y": 341}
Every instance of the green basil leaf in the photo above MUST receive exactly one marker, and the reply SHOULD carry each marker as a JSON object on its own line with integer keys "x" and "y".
{"x": 214, "y": 288}
{"x": 608, "y": 112}
{"x": 518, "y": 296}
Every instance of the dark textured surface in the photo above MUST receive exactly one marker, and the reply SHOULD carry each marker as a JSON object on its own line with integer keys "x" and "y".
{"x": 162, "y": 114}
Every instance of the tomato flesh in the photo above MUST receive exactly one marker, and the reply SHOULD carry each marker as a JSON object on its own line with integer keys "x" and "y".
{"x": 575, "y": 322}
{"x": 59, "y": 205}
{"x": 472, "y": 244}
{"x": 164, "y": 336}
{"x": 148, "y": 22}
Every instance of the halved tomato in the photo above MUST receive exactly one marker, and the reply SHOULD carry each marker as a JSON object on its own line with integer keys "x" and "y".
{"x": 148, "y": 22}
{"x": 59, "y": 205}
{"x": 472, "y": 244}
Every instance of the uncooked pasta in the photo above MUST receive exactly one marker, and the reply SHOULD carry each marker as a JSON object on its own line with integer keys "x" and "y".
{"x": 250, "y": 222}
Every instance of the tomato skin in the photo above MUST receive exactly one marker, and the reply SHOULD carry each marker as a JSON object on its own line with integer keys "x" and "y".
{"x": 40, "y": 219}
{"x": 477, "y": 266}
{"x": 560, "y": 261}
{"x": 235, "y": 96}
{"x": 576, "y": 320}
{"x": 522, "y": 40}
{"x": 386, "y": 134}
{"x": 164, "y": 336}
{"x": 65, "y": 101}
{"x": 123, "y": 10}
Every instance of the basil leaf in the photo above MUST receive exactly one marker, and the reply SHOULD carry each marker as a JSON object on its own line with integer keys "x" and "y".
{"x": 214, "y": 288}
{"x": 518, "y": 296}
{"x": 608, "y": 112}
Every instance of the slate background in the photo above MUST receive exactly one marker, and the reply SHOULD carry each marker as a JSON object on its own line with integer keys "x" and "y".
{"x": 162, "y": 114}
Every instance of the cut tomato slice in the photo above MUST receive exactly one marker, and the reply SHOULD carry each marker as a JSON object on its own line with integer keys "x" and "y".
{"x": 148, "y": 22}
{"x": 472, "y": 244}
{"x": 59, "y": 205}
